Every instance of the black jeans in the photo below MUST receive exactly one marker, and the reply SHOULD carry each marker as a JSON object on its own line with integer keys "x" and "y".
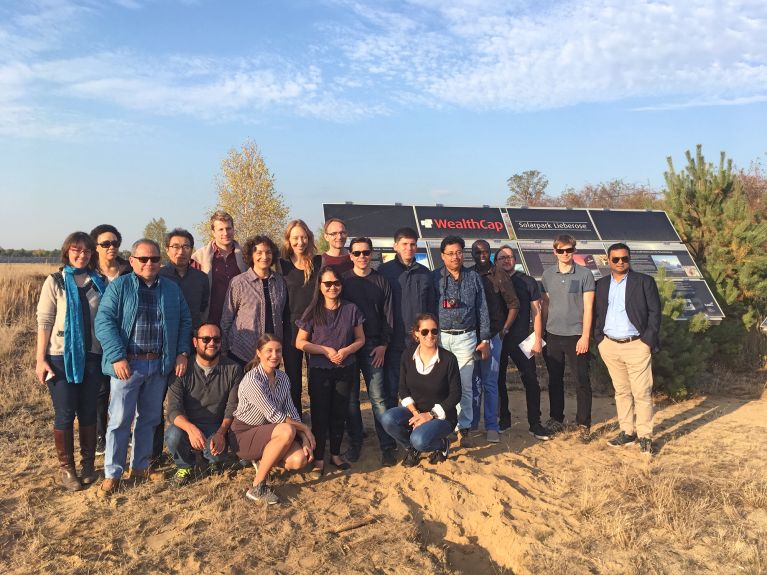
{"x": 526, "y": 367}
{"x": 102, "y": 406}
{"x": 293, "y": 359}
{"x": 329, "y": 404}
{"x": 558, "y": 349}
{"x": 72, "y": 400}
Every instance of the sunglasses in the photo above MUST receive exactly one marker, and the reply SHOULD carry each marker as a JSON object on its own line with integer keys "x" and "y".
{"x": 206, "y": 339}
{"x": 109, "y": 244}
{"x": 145, "y": 259}
{"x": 433, "y": 331}
{"x": 358, "y": 253}
{"x": 564, "y": 250}
{"x": 330, "y": 284}
{"x": 624, "y": 259}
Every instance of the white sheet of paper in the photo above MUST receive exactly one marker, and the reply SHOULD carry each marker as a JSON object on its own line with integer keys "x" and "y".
{"x": 526, "y": 345}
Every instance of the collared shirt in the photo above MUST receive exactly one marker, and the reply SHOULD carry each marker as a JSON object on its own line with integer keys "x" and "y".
{"x": 470, "y": 311}
{"x": 146, "y": 336}
{"x": 224, "y": 269}
{"x": 205, "y": 398}
{"x": 565, "y": 315}
{"x": 419, "y": 365}
{"x": 195, "y": 287}
{"x": 261, "y": 403}
{"x": 617, "y": 323}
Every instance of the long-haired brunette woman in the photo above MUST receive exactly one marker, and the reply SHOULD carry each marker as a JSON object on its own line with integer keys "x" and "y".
{"x": 300, "y": 264}
{"x": 68, "y": 355}
{"x": 331, "y": 332}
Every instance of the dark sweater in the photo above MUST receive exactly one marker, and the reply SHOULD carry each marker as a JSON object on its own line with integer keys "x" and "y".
{"x": 300, "y": 294}
{"x": 412, "y": 293}
{"x": 441, "y": 386}
{"x": 372, "y": 294}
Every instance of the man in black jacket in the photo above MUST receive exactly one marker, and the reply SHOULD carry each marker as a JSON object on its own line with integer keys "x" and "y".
{"x": 627, "y": 319}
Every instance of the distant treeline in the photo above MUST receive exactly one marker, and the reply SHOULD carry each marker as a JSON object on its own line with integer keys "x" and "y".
{"x": 37, "y": 255}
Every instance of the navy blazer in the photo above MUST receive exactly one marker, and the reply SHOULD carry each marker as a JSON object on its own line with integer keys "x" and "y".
{"x": 642, "y": 307}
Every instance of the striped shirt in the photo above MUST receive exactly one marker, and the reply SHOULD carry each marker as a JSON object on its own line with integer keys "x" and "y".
{"x": 261, "y": 403}
{"x": 146, "y": 336}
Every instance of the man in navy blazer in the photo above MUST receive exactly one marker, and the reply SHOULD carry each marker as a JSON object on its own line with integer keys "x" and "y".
{"x": 627, "y": 319}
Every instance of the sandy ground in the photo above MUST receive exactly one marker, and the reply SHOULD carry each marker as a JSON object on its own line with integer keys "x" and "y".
{"x": 520, "y": 506}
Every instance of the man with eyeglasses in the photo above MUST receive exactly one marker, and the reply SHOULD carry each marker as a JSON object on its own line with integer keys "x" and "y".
{"x": 179, "y": 244}
{"x": 502, "y": 306}
{"x": 627, "y": 316}
{"x": 371, "y": 293}
{"x": 336, "y": 255}
{"x": 201, "y": 406}
{"x": 144, "y": 326}
{"x": 462, "y": 316}
{"x": 568, "y": 302}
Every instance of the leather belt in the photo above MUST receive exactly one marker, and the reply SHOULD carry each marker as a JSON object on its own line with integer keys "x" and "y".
{"x": 456, "y": 331}
{"x": 624, "y": 340}
{"x": 132, "y": 356}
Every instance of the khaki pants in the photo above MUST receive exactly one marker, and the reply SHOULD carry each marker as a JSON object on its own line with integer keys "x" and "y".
{"x": 630, "y": 368}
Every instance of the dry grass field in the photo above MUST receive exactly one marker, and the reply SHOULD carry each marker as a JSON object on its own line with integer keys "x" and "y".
{"x": 521, "y": 506}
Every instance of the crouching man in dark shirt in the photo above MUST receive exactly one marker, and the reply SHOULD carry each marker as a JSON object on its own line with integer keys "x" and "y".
{"x": 201, "y": 405}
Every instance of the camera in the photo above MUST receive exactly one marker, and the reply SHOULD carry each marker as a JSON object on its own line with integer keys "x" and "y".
{"x": 449, "y": 303}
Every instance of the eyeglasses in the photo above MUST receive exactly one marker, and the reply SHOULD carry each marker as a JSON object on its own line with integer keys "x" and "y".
{"x": 109, "y": 244}
{"x": 336, "y": 234}
{"x": 452, "y": 254}
{"x": 564, "y": 250}
{"x": 503, "y": 258}
{"x": 178, "y": 247}
{"x": 78, "y": 251}
{"x": 145, "y": 259}
{"x": 624, "y": 259}
{"x": 206, "y": 339}
{"x": 358, "y": 253}
{"x": 334, "y": 283}
{"x": 433, "y": 331}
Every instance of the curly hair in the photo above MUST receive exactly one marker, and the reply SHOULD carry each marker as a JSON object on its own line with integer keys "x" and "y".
{"x": 250, "y": 247}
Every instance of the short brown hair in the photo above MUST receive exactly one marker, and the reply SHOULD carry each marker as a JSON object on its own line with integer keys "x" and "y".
{"x": 220, "y": 216}
{"x": 250, "y": 247}
{"x": 564, "y": 240}
{"x": 330, "y": 221}
{"x": 83, "y": 239}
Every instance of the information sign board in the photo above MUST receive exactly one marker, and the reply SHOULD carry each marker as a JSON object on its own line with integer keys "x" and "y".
{"x": 633, "y": 225}
{"x": 441, "y": 221}
{"x": 372, "y": 220}
{"x": 698, "y": 298}
{"x": 649, "y": 258}
{"x": 540, "y": 255}
{"x": 548, "y": 223}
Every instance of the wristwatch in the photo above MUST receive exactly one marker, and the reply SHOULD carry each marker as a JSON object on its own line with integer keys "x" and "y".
{"x": 433, "y": 414}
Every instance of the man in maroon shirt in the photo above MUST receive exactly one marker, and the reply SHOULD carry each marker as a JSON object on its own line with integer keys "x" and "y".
{"x": 337, "y": 255}
{"x": 222, "y": 260}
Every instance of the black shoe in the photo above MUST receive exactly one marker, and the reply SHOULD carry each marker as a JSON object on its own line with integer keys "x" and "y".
{"x": 555, "y": 426}
{"x": 353, "y": 453}
{"x": 463, "y": 438}
{"x": 262, "y": 494}
{"x": 343, "y": 466}
{"x": 388, "y": 457}
{"x": 441, "y": 454}
{"x": 504, "y": 424}
{"x": 645, "y": 446}
{"x": 101, "y": 445}
{"x": 622, "y": 439}
{"x": 412, "y": 457}
{"x": 540, "y": 432}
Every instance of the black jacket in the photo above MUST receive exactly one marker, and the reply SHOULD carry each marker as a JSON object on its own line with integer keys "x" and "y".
{"x": 642, "y": 307}
{"x": 412, "y": 293}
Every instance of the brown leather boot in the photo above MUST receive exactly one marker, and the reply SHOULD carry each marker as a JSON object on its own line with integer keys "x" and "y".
{"x": 65, "y": 447}
{"x": 87, "y": 454}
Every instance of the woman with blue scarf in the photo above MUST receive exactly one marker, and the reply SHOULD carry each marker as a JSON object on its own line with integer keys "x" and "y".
{"x": 68, "y": 355}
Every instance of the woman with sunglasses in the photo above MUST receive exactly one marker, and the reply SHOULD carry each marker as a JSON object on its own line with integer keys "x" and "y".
{"x": 68, "y": 355}
{"x": 429, "y": 390}
{"x": 267, "y": 428}
{"x": 111, "y": 265}
{"x": 299, "y": 266}
{"x": 254, "y": 303}
{"x": 331, "y": 332}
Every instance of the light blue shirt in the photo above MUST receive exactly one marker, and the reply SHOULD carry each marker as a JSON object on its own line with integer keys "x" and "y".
{"x": 617, "y": 324}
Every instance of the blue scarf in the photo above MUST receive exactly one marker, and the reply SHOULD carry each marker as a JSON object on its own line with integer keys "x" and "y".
{"x": 74, "y": 340}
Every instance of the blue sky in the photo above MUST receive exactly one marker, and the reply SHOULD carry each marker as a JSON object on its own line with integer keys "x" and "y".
{"x": 121, "y": 111}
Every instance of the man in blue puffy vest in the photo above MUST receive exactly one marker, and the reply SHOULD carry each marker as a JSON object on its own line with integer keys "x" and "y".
{"x": 144, "y": 326}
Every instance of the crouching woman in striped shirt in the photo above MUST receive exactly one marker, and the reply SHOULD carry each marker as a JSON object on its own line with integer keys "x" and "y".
{"x": 267, "y": 429}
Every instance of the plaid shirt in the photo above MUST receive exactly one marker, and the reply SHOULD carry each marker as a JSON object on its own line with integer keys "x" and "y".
{"x": 146, "y": 336}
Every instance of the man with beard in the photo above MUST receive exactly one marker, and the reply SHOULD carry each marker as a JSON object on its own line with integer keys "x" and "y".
{"x": 201, "y": 405}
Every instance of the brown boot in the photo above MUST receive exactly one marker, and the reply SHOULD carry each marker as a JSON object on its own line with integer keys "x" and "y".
{"x": 87, "y": 454}
{"x": 108, "y": 487}
{"x": 65, "y": 447}
{"x": 140, "y": 475}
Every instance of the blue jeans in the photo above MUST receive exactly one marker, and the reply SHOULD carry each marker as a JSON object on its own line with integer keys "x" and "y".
{"x": 72, "y": 400}
{"x": 463, "y": 347}
{"x": 139, "y": 396}
{"x": 177, "y": 441}
{"x": 486, "y": 384}
{"x": 425, "y": 437}
{"x": 382, "y": 397}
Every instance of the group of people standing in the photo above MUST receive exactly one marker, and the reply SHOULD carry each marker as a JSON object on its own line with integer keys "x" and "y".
{"x": 224, "y": 332}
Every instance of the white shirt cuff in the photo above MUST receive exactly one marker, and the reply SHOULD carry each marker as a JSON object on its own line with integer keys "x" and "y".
{"x": 407, "y": 401}
{"x": 439, "y": 411}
